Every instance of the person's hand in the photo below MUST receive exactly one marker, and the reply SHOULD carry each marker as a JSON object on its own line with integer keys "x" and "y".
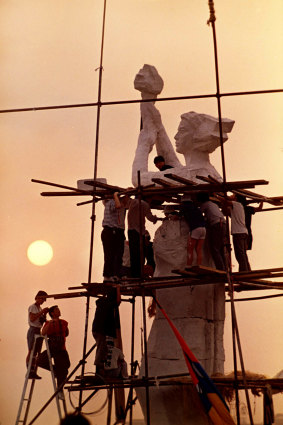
{"x": 45, "y": 310}
{"x": 151, "y": 309}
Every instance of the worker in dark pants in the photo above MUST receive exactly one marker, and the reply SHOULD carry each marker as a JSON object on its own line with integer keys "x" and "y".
{"x": 134, "y": 216}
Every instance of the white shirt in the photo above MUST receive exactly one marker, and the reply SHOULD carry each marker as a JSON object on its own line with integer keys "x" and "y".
{"x": 114, "y": 354}
{"x": 34, "y": 309}
{"x": 238, "y": 224}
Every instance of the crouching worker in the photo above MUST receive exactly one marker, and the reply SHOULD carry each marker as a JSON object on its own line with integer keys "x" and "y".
{"x": 106, "y": 330}
{"x": 114, "y": 365}
{"x": 56, "y": 330}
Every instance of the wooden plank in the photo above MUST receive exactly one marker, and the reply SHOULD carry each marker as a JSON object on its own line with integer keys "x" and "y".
{"x": 163, "y": 183}
{"x": 86, "y": 193}
{"x": 103, "y": 185}
{"x": 62, "y": 186}
{"x": 204, "y": 270}
{"x": 258, "y": 285}
{"x": 247, "y": 193}
{"x": 180, "y": 179}
{"x": 257, "y": 273}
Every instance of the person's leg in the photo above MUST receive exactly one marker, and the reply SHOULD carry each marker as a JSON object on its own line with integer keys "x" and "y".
{"x": 215, "y": 235}
{"x": 134, "y": 245}
{"x": 191, "y": 246}
{"x": 32, "y": 332}
{"x": 62, "y": 364}
{"x": 108, "y": 237}
{"x": 119, "y": 251}
{"x": 198, "y": 248}
{"x": 240, "y": 246}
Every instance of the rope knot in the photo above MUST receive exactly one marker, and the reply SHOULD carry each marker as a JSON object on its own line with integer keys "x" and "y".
{"x": 212, "y": 17}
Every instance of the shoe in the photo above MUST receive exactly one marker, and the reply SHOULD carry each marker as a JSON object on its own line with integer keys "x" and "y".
{"x": 33, "y": 375}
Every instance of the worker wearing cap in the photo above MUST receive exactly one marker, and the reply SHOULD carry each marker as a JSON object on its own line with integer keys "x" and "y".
{"x": 36, "y": 318}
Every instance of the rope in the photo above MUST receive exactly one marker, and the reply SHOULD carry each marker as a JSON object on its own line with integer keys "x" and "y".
{"x": 212, "y": 17}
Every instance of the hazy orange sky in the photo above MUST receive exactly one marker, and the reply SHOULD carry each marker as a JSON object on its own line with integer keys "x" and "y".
{"x": 49, "y": 53}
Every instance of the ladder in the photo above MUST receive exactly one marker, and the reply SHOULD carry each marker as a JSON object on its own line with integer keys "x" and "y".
{"x": 27, "y": 392}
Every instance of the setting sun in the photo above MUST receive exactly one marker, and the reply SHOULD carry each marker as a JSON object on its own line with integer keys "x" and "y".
{"x": 40, "y": 253}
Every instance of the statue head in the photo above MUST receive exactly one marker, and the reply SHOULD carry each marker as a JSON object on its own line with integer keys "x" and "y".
{"x": 200, "y": 132}
{"x": 148, "y": 80}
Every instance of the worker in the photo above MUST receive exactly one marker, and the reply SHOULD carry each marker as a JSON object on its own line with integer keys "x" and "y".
{"x": 159, "y": 162}
{"x": 195, "y": 220}
{"x": 113, "y": 236}
{"x": 57, "y": 330}
{"x": 239, "y": 231}
{"x": 249, "y": 211}
{"x": 105, "y": 324}
{"x": 215, "y": 229}
{"x": 36, "y": 318}
{"x": 138, "y": 211}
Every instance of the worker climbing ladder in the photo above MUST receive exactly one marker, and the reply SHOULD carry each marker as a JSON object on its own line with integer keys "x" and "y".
{"x": 27, "y": 392}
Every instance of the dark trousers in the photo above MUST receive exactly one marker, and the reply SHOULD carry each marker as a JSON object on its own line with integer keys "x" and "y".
{"x": 61, "y": 364}
{"x": 216, "y": 235}
{"x": 113, "y": 247}
{"x": 240, "y": 241}
{"x": 134, "y": 245}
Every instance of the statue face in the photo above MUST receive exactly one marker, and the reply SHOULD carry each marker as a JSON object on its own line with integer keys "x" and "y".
{"x": 184, "y": 137}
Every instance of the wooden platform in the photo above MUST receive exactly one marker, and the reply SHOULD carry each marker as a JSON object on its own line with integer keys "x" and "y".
{"x": 181, "y": 380}
{"x": 242, "y": 281}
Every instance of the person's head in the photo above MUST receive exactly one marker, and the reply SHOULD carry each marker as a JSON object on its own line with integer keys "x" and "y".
{"x": 202, "y": 197}
{"x": 241, "y": 198}
{"x": 54, "y": 312}
{"x": 159, "y": 161}
{"x": 40, "y": 297}
{"x": 74, "y": 419}
{"x": 170, "y": 210}
{"x": 148, "y": 80}
{"x": 200, "y": 132}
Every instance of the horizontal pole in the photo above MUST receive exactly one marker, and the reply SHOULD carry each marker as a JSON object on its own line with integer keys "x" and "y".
{"x": 124, "y": 102}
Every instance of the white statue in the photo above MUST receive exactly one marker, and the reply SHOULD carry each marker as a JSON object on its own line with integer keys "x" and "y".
{"x": 198, "y": 312}
{"x": 198, "y": 136}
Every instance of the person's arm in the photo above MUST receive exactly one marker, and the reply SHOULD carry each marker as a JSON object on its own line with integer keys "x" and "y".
{"x": 46, "y": 328}
{"x": 117, "y": 200}
{"x": 148, "y": 213}
{"x": 152, "y": 308}
{"x": 67, "y": 331}
{"x": 34, "y": 316}
{"x": 226, "y": 204}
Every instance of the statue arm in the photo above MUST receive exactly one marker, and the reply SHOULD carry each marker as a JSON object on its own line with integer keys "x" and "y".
{"x": 147, "y": 138}
{"x": 164, "y": 146}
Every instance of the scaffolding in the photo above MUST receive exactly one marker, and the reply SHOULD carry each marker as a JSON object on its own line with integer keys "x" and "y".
{"x": 145, "y": 287}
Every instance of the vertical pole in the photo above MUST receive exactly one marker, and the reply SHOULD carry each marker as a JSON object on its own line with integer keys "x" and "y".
{"x": 235, "y": 330}
{"x": 145, "y": 359}
{"x": 143, "y": 305}
{"x": 140, "y": 225}
{"x": 93, "y": 203}
{"x": 132, "y": 355}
